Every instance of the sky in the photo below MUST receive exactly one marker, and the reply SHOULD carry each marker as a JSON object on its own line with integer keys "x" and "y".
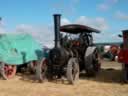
{"x": 36, "y": 17}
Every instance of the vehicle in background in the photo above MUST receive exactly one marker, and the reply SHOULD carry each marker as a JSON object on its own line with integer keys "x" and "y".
{"x": 123, "y": 55}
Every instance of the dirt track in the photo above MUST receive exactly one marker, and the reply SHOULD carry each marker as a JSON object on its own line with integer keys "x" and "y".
{"x": 107, "y": 83}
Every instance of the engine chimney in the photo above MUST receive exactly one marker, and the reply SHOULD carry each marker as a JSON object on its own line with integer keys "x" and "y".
{"x": 57, "y": 29}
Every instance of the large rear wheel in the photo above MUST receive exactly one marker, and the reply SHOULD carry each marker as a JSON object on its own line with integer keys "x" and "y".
{"x": 72, "y": 70}
{"x": 92, "y": 63}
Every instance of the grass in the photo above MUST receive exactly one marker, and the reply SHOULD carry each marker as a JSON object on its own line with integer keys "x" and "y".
{"x": 106, "y": 83}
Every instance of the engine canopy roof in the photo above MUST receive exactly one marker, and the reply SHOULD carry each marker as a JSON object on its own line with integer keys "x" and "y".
{"x": 77, "y": 28}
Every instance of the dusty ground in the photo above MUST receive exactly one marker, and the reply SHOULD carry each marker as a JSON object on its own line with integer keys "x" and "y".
{"x": 107, "y": 83}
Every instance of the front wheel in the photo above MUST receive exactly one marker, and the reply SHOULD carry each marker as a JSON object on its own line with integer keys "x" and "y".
{"x": 72, "y": 70}
{"x": 8, "y": 71}
{"x": 41, "y": 70}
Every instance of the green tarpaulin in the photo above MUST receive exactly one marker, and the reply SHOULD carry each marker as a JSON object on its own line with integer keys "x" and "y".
{"x": 19, "y": 48}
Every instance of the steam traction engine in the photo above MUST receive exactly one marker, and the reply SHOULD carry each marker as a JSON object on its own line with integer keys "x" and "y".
{"x": 123, "y": 55}
{"x": 72, "y": 54}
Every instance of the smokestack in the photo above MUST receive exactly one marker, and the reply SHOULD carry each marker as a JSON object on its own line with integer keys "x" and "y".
{"x": 57, "y": 29}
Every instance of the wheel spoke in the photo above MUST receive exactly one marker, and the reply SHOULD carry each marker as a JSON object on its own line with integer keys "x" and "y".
{"x": 72, "y": 70}
{"x": 41, "y": 70}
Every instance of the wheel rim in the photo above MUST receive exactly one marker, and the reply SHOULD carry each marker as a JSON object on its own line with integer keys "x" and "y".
{"x": 74, "y": 71}
{"x": 96, "y": 61}
{"x": 9, "y": 71}
{"x": 43, "y": 68}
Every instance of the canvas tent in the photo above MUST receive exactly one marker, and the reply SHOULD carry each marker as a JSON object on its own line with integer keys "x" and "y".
{"x": 17, "y": 49}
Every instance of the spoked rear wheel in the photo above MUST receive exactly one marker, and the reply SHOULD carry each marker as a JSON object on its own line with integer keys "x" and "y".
{"x": 72, "y": 70}
{"x": 8, "y": 71}
{"x": 41, "y": 70}
{"x": 93, "y": 64}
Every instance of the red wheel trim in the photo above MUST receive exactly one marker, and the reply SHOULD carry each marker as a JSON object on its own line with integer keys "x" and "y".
{"x": 10, "y": 71}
